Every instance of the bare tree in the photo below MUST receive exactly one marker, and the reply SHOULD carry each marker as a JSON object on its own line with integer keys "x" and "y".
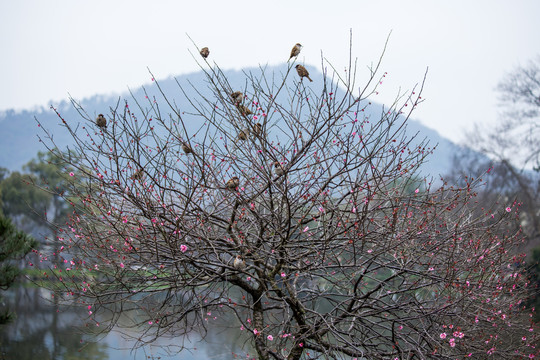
{"x": 512, "y": 146}
{"x": 515, "y": 137}
{"x": 294, "y": 215}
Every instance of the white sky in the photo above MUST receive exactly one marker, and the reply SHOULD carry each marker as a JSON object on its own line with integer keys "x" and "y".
{"x": 50, "y": 48}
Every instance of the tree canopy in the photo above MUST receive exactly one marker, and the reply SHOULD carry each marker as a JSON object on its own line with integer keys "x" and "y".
{"x": 293, "y": 215}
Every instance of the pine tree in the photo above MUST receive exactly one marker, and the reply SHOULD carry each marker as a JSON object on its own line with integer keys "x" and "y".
{"x": 14, "y": 245}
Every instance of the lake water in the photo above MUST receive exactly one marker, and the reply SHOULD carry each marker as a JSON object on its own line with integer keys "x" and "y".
{"x": 44, "y": 331}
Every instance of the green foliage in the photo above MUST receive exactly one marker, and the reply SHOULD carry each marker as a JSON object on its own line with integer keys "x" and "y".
{"x": 14, "y": 245}
{"x": 3, "y": 173}
{"x": 52, "y": 176}
{"x": 19, "y": 196}
{"x": 37, "y": 192}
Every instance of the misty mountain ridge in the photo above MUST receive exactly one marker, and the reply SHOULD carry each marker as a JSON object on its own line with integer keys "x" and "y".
{"x": 20, "y": 142}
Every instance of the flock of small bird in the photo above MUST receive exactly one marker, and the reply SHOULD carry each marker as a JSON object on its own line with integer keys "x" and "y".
{"x": 237, "y": 97}
{"x": 302, "y": 72}
{"x": 243, "y": 135}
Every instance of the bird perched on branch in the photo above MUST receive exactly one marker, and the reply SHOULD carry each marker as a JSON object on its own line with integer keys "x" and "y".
{"x": 205, "y": 52}
{"x": 243, "y": 135}
{"x": 295, "y": 50}
{"x": 239, "y": 263}
{"x": 237, "y": 97}
{"x": 233, "y": 183}
{"x": 186, "y": 148}
{"x": 278, "y": 169}
{"x": 257, "y": 129}
{"x": 138, "y": 175}
{"x": 101, "y": 121}
{"x": 244, "y": 110}
{"x": 302, "y": 72}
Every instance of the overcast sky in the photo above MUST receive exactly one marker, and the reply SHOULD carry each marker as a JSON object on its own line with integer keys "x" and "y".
{"x": 52, "y": 48}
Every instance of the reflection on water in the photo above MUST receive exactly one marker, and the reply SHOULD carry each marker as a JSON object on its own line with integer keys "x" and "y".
{"x": 42, "y": 330}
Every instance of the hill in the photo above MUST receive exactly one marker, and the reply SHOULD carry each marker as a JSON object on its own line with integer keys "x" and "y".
{"x": 21, "y": 132}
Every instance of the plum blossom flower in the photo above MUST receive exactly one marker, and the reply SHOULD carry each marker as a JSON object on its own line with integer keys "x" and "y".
{"x": 183, "y": 248}
{"x": 270, "y": 337}
{"x": 508, "y": 209}
{"x": 443, "y": 336}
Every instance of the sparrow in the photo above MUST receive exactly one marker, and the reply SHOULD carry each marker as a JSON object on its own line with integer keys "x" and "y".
{"x": 186, "y": 148}
{"x": 239, "y": 263}
{"x": 233, "y": 183}
{"x": 243, "y": 135}
{"x": 101, "y": 121}
{"x": 237, "y": 97}
{"x": 278, "y": 168}
{"x": 138, "y": 175}
{"x": 296, "y": 50}
{"x": 244, "y": 110}
{"x": 205, "y": 52}
{"x": 302, "y": 72}
{"x": 257, "y": 129}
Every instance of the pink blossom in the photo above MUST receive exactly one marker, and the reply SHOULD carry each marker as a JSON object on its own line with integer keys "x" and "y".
{"x": 122, "y": 265}
{"x": 443, "y": 336}
{"x": 183, "y": 248}
{"x": 416, "y": 191}
{"x": 283, "y": 274}
{"x": 256, "y": 332}
{"x": 452, "y": 342}
{"x": 508, "y": 209}
{"x": 270, "y": 337}
{"x": 71, "y": 174}
{"x": 301, "y": 345}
